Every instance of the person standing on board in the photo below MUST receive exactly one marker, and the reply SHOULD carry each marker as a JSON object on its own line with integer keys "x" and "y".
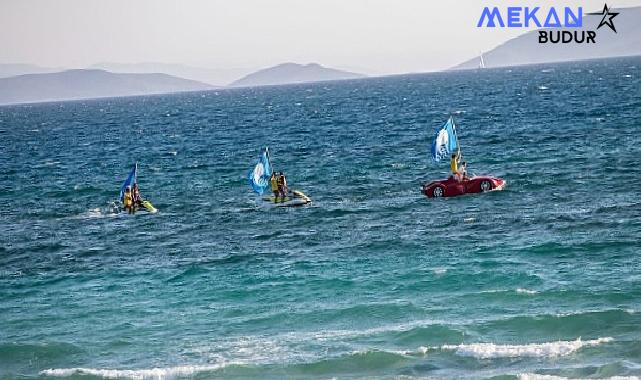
{"x": 282, "y": 185}
{"x": 136, "y": 199}
{"x": 128, "y": 200}
{"x": 273, "y": 180}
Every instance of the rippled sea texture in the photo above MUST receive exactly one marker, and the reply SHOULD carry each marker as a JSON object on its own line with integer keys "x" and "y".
{"x": 372, "y": 280}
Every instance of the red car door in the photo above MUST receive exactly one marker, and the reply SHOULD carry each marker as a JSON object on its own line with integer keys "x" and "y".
{"x": 455, "y": 188}
{"x": 471, "y": 186}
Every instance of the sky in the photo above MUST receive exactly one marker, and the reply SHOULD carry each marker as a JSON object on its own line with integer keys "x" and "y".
{"x": 369, "y": 36}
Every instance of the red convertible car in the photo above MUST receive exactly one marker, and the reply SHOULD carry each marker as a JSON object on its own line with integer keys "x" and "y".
{"x": 452, "y": 187}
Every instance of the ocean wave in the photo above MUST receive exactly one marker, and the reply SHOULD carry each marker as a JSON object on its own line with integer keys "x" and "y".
{"x": 369, "y": 360}
{"x": 433, "y": 326}
{"x": 136, "y": 374}
{"x": 548, "y": 349}
{"x": 571, "y": 323}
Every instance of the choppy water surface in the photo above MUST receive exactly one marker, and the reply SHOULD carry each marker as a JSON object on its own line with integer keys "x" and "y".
{"x": 372, "y": 280}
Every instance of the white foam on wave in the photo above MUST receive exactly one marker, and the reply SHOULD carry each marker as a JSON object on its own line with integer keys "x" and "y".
{"x": 526, "y": 291}
{"x": 536, "y": 376}
{"x": 548, "y": 349}
{"x": 136, "y": 374}
{"x": 94, "y": 213}
{"x": 97, "y": 213}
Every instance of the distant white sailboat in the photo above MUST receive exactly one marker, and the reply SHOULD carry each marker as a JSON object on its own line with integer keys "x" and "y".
{"x": 481, "y": 61}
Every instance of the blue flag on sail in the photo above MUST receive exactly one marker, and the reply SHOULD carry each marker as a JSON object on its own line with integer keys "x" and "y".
{"x": 261, "y": 173}
{"x": 445, "y": 141}
{"x": 131, "y": 179}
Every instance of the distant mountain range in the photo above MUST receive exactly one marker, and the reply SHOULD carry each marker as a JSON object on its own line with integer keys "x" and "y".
{"x": 293, "y": 73}
{"x": 216, "y": 77}
{"x": 83, "y": 84}
{"x": 525, "y": 49}
{"x": 39, "y": 84}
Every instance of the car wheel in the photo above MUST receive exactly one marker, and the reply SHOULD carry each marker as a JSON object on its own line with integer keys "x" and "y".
{"x": 486, "y": 185}
{"x": 438, "y": 192}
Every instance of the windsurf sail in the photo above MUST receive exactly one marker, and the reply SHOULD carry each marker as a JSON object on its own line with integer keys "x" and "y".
{"x": 481, "y": 61}
{"x": 131, "y": 179}
{"x": 445, "y": 141}
{"x": 260, "y": 174}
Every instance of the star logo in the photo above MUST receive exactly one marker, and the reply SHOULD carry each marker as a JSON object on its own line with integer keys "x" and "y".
{"x": 607, "y": 17}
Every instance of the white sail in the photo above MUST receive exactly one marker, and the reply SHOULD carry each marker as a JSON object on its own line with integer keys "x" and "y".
{"x": 481, "y": 61}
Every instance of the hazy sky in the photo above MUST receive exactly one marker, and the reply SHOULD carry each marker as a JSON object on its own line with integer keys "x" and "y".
{"x": 372, "y": 36}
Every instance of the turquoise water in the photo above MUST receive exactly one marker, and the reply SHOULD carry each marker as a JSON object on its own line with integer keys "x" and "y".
{"x": 371, "y": 280}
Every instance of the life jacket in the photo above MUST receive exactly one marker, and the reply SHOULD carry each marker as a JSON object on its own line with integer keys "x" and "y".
{"x": 454, "y": 165}
{"x": 127, "y": 199}
{"x": 274, "y": 182}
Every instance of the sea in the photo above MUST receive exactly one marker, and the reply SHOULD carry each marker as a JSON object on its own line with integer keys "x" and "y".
{"x": 372, "y": 280}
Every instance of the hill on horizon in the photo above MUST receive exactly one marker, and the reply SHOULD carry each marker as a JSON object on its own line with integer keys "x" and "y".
{"x": 525, "y": 49}
{"x": 288, "y": 73}
{"x": 84, "y": 84}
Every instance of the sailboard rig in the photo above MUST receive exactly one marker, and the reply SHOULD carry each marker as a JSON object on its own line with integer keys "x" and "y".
{"x": 260, "y": 177}
{"x": 261, "y": 173}
{"x": 130, "y": 181}
{"x": 481, "y": 61}
{"x": 445, "y": 141}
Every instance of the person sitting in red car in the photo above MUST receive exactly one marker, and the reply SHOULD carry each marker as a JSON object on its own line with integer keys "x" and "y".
{"x": 463, "y": 171}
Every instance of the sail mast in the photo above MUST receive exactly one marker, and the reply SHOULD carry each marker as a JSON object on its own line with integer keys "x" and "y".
{"x": 458, "y": 145}
{"x": 269, "y": 158}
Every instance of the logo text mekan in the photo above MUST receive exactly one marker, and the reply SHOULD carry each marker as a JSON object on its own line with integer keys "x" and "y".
{"x": 525, "y": 17}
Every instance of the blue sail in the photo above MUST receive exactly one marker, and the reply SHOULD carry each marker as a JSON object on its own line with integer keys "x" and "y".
{"x": 131, "y": 179}
{"x": 260, "y": 174}
{"x": 445, "y": 141}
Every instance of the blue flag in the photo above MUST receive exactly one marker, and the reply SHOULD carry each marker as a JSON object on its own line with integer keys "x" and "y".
{"x": 131, "y": 179}
{"x": 445, "y": 141}
{"x": 260, "y": 174}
